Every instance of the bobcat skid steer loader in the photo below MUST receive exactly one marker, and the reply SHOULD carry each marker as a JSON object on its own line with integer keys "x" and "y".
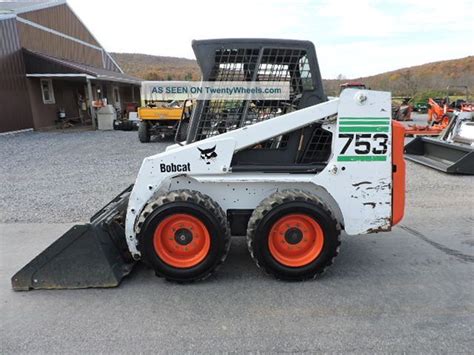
{"x": 289, "y": 175}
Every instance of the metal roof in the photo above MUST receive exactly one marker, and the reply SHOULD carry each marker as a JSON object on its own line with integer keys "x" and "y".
{"x": 10, "y": 9}
{"x": 77, "y": 68}
{"x": 19, "y": 7}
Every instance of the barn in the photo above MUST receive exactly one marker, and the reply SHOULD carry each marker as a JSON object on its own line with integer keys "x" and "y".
{"x": 52, "y": 68}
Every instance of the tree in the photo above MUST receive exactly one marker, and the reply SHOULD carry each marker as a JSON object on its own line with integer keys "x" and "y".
{"x": 153, "y": 76}
{"x": 409, "y": 83}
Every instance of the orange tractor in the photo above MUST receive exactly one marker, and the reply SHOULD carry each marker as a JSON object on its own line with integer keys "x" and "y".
{"x": 439, "y": 114}
{"x": 438, "y": 120}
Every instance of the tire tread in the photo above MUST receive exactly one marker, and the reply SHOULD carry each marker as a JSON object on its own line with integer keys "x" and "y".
{"x": 201, "y": 200}
{"x": 275, "y": 200}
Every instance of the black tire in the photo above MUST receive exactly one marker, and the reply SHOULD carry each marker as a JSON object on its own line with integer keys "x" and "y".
{"x": 183, "y": 131}
{"x": 199, "y": 206}
{"x": 143, "y": 132}
{"x": 117, "y": 125}
{"x": 285, "y": 203}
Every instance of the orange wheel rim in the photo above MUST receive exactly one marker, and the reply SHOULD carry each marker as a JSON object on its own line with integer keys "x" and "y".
{"x": 296, "y": 240}
{"x": 181, "y": 240}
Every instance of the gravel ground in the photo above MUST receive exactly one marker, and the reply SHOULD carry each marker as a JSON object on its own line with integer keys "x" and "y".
{"x": 66, "y": 176}
{"x": 435, "y": 199}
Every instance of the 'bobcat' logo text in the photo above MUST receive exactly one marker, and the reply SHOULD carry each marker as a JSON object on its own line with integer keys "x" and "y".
{"x": 208, "y": 154}
{"x": 173, "y": 168}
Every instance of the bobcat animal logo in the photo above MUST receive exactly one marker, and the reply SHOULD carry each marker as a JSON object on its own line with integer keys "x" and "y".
{"x": 208, "y": 154}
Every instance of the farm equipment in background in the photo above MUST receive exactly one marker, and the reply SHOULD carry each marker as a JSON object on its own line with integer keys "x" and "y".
{"x": 401, "y": 109}
{"x": 440, "y": 112}
{"x": 289, "y": 175}
{"x": 464, "y": 104}
{"x": 128, "y": 121}
{"x": 352, "y": 85}
{"x": 421, "y": 107}
{"x": 438, "y": 120}
{"x": 163, "y": 119}
{"x": 452, "y": 152}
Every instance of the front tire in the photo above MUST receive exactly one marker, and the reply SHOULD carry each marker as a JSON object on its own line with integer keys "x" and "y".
{"x": 293, "y": 235}
{"x": 184, "y": 236}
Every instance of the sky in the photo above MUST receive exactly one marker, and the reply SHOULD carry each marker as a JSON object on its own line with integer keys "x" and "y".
{"x": 352, "y": 38}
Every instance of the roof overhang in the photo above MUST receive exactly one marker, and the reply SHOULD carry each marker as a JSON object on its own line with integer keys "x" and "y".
{"x": 44, "y": 66}
{"x": 55, "y": 75}
{"x": 85, "y": 76}
{"x": 121, "y": 80}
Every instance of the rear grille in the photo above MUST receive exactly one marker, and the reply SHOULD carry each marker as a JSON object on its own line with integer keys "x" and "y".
{"x": 318, "y": 149}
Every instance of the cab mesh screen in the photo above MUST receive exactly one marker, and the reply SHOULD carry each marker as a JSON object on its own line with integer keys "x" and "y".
{"x": 264, "y": 64}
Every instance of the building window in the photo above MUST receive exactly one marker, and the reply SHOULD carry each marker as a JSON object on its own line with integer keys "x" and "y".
{"x": 47, "y": 91}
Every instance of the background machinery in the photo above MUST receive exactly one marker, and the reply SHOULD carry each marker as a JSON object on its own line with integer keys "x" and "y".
{"x": 289, "y": 175}
{"x": 163, "y": 119}
{"x": 402, "y": 109}
{"x": 440, "y": 112}
{"x": 352, "y": 85}
{"x": 452, "y": 152}
{"x": 421, "y": 107}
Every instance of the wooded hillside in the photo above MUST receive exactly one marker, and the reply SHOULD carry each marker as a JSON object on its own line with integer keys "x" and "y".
{"x": 151, "y": 67}
{"x": 427, "y": 77}
{"x": 407, "y": 81}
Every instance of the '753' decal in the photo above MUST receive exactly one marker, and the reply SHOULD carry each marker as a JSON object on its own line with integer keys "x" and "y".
{"x": 364, "y": 147}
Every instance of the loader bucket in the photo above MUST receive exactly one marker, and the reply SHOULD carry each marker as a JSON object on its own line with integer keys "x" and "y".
{"x": 452, "y": 158}
{"x": 89, "y": 255}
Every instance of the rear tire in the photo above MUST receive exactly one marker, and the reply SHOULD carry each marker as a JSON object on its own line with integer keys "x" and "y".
{"x": 184, "y": 236}
{"x": 293, "y": 235}
{"x": 143, "y": 132}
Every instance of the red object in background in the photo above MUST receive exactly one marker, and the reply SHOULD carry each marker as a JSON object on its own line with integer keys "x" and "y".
{"x": 98, "y": 103}
{"x": 131, "y": 107}
{"x": 352, "y": 84}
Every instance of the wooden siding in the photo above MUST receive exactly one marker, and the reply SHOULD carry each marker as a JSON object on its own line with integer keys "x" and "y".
{"x": 48, "y": 43}
{"x": 61, "y": 19}
{"x": 15, "y": 111}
